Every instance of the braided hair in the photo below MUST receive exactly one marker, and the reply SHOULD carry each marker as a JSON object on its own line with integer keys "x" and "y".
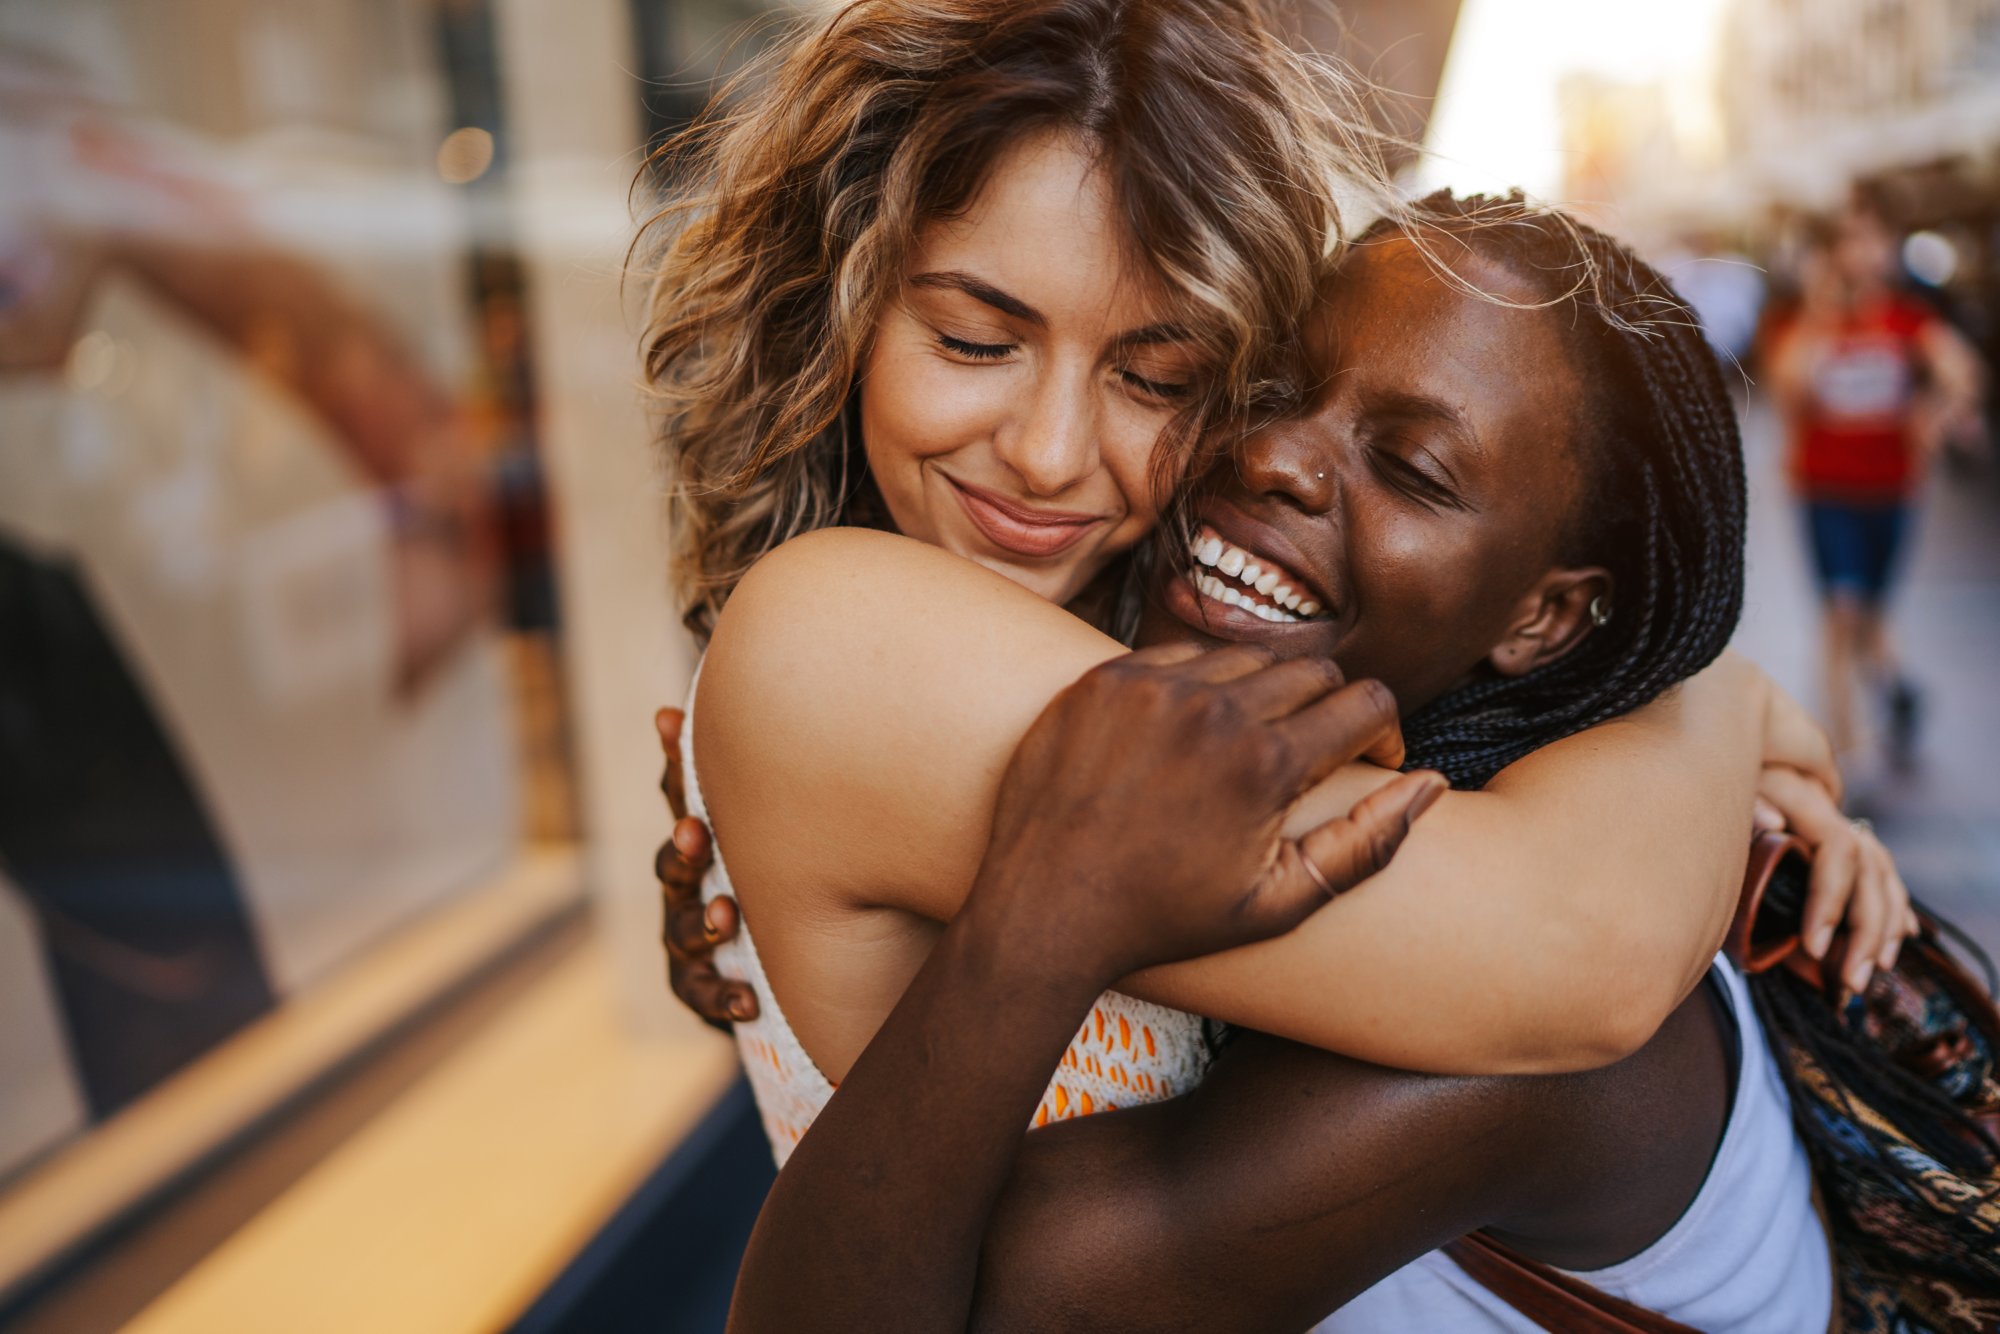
{"x": 1663, "y": 509}
{"x": 1663, "y": 497}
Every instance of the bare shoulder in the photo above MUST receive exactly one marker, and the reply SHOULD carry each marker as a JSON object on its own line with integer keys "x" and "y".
{"x": 841, "y": 619}
{"x": 862, "y": 693}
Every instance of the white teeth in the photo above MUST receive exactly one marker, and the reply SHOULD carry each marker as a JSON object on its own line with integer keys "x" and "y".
{"x": 1241, "y": 566}
{"x": 1213, "y": 588}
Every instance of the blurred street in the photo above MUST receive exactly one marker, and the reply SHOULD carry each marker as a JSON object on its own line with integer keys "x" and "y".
{"x": 1943, "y": 820}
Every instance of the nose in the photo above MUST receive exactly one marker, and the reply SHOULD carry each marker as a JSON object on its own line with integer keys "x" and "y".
{"x": 1291, "y": 461}
{"x": 1052, "y": 445}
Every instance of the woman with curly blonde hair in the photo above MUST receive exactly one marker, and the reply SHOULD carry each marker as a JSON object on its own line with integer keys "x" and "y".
{"x": 988, "y": 274}
{"x": 794, "y": 211}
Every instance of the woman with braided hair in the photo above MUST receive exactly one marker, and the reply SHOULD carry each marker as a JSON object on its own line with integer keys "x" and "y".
{"x": 993, "y": 274}
{"x": 1511, "y": 490}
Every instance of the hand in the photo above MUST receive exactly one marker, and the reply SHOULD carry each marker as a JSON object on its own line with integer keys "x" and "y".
{"x": 1142, "y": 818}
{"x": 1793, "y": 740}
{"x": 444, "y": 559}
{"x": 688, "y": 930}
{"x": 1854, "y": 879}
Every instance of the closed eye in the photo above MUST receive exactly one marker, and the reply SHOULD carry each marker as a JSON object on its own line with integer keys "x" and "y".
{"x": 974, "y": 351}
{"x": 1414, "y": 481}
{"x": 1165, "y": 389}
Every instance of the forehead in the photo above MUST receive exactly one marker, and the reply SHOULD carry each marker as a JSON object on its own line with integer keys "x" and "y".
{"x": 1046, "y": 226}
{"x": 1389, "y": 319}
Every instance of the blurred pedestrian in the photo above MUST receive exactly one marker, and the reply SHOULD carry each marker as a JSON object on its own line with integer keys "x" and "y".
{"x": 107, "y": 834}
{"x": 1870, "y": 382}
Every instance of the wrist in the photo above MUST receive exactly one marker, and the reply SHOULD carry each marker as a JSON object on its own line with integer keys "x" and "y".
{"x": 1017, "y": 927}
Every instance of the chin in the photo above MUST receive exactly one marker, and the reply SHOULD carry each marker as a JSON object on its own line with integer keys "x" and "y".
{"x": 1050, "y": 585}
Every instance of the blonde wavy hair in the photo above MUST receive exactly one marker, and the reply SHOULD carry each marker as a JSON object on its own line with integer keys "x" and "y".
{"x": 793, "y": 201}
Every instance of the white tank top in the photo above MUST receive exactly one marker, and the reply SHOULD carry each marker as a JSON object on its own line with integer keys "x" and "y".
{"x": 1748, "y": 1257}
{"x": 1129, "y": 1051}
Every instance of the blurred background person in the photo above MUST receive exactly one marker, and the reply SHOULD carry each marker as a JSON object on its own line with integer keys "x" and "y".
{"x": 1870, "y": 383}
{"x": 148, "y": 938}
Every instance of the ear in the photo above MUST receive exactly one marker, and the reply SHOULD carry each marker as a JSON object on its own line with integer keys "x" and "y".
{"x": 1551, "y": 619}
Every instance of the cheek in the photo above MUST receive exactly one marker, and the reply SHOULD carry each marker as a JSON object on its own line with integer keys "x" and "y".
{"x": 916, "y": 407}
{"x": 1130, "y": 442}
{"x": 1415, "y": 582}
{"x": 1415, "y": 568}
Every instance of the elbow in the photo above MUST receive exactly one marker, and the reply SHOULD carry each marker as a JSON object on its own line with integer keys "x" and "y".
{"x": 1618, "y": 1032}
{"x": 1610, "y": 1003}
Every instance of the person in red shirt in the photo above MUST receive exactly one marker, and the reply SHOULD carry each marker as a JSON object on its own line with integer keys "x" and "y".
{"x": 1870, "y": 382}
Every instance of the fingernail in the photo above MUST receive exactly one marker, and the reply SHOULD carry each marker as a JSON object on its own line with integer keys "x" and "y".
{"x": 739, "y": 1008}
{"x": 710, "y": 925}
{"x": 1427, "y": 797}
{"x": 1819, "y": 940}
{"x": 1860, "y": 975}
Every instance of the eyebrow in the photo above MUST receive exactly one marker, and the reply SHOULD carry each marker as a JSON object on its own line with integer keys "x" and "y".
{"x": 956, "y": 280}
{"x": 983, "y": 292}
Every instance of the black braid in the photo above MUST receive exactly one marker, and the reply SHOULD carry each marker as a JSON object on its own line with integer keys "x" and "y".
{"x": 1664, "y": 498}
{"x": 1664, "y": 511}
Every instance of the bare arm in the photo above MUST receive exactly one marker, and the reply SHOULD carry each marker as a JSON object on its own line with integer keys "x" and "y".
{"x": 931, "y": 1114}
{"x": 1955, "y": 385}
{"x": 852, "y": 742}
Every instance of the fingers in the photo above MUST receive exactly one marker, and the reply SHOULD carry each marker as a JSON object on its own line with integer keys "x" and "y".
{"x": 1900, "y": 915}
{"x": 1765, "y": 817}
{"x": 713, "y": 996}
{"x": 1225, "y": 664}
{"x": 1815, "y": 819}
{"x": 1793, "y": 739}
{"x": 1343, "y": 852}
{"x": 1282, "y": 689}
{"x": 1868, "y": 917}
{"x": 1356, "y": 721}
{"x": 691, "y": 839}
{"x": 1854, "y": 880}
{"x": 1164, "y": 655}
{"x": 682, "y": 861}
{"x": 1834, "y": 874}
{"x": 667, "y": 722}
{"x": 691, "y": 931}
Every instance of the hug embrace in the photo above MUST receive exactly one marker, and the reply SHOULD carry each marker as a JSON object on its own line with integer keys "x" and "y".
{"x": 1226, "y": 668}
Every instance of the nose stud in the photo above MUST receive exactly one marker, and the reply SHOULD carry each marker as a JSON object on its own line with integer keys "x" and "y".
{"x": 1320, "y": 475}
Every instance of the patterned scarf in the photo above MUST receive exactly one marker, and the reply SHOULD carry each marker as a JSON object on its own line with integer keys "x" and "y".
{"x": 1895, "y": 1096}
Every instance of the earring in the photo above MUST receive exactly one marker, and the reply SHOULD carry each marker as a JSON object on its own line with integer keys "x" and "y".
{"x": 1600, "y": 615}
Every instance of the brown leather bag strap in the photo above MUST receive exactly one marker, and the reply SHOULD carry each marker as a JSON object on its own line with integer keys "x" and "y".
{"x": 1554, "y": 1300}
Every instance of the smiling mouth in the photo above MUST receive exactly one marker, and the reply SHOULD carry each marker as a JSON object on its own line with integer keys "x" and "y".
{"x": 1019, "y": 529}
{"x": 1236, "y": 577}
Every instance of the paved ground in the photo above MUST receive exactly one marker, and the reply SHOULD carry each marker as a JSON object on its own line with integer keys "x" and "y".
{"x": 1943, "y": 820}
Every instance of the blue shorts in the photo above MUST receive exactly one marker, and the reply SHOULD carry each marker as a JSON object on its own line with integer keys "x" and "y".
{"x": 1855, "y": 546}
